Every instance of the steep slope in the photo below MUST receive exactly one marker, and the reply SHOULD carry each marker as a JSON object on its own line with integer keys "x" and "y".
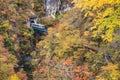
{"x": 17, "y": 40}
{"x": 71, "y": 46}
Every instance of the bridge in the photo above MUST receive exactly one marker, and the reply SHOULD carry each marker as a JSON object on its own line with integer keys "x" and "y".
{"x": 38, "y": 28}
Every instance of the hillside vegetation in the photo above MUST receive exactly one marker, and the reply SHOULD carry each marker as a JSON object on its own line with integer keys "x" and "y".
{"x": 82, "y": 43}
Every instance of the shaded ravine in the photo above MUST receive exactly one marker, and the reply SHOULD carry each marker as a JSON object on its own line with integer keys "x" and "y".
{"x": 25, "y": 60}
{"x": 52, "y": 7}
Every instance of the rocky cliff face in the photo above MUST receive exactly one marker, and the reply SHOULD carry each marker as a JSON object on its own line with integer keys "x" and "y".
{"x": 54, "y": 6}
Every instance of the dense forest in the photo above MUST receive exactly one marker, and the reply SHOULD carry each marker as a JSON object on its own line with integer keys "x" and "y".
{"x": 59, "y": 39}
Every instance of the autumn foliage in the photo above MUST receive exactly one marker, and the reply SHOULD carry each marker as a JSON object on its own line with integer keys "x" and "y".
{"x": 82, "y": 43}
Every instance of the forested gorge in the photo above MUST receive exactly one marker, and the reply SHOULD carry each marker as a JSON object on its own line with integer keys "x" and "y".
{"x": 82, "y": 43}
